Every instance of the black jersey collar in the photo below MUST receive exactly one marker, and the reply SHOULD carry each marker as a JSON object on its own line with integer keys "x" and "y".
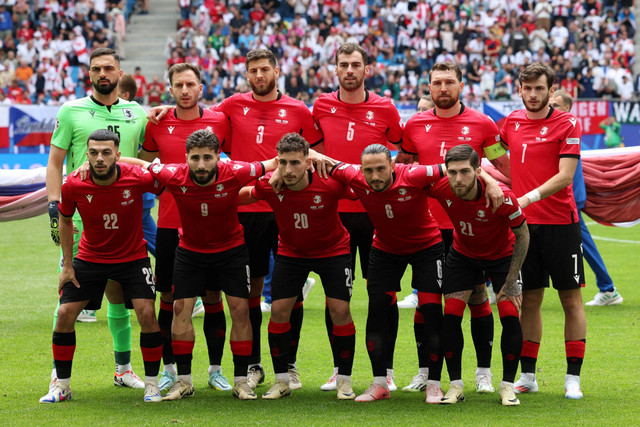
{"x": 175, "y": 112}
{"x": 277, "y": 98}
{"x": 462, "y": 107}
{"x": 550, "y": 113}
{"x": 103, "y": 105}
{"x": 366, "y": 95}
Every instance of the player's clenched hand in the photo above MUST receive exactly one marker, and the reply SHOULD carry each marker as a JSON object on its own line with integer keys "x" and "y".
{"x": 83, "y": 171}
{"x": 53, "y": 222}
{"x": 513, "y": 292}
{"x": 67, "y": 275}
{"x": 276, "y": 182}
{"x": 156, "y": 113}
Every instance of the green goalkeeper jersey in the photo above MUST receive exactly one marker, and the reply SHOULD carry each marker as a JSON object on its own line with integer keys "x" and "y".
{"x": 77, "y": 119}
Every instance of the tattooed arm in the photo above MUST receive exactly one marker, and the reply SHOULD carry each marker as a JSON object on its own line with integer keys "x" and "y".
{"x": 511, "y": 289}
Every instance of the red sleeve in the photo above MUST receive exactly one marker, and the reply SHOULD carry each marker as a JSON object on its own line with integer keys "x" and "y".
{"x": 570, "y": 146}
{"x": 149, "y": 183}
{"x": 511, "y": 209}
{"x": 492, "y": 134}
{"x": 394, "y": 132}
{"x": 503, "y": 131}
{"x": 408, "y": 146}
{"x": 66, "y": 207}
{"x": 247, "y": 172}
{"x": 425, "y": 175}
{"x": 310, "y": 130}
{"x": 163, "y": 173}
{"x": 149, "y": 143}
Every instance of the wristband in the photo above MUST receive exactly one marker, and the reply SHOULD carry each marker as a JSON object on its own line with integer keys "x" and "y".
{"x": 53, "y": 209}
{"x": 533, "y": 195}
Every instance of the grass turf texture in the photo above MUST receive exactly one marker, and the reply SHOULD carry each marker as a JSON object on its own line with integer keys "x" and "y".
{"x": 28, "y": 269}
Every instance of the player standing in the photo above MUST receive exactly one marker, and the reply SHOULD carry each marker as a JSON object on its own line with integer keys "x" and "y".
{"x": 545, "y": 148}
{"x": 111, "y": 247}
{"x": 352, "y": 118}
{"x": 487, "y": 245}
{"x": 608, "y": 294}
{"x": 166, "y": 141}
{"x": 427, "y": 138}
{"x": 76, "y": 120}
{"x": 211, "y": 256}
{"x": 307, "y": 211}
{"x": 259, "y": 119}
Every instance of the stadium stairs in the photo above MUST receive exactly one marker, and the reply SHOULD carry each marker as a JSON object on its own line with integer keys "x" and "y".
{"x": 147, "y": 36}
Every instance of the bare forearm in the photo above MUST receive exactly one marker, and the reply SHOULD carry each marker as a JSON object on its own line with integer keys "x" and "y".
{"x": 66, "y": 240}
{"x": 53, "y": 182}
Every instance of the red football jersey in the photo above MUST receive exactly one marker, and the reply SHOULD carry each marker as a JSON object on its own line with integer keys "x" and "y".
{"x": 478, "y": 232}
{"x": 111, "y": 214}
{"x": 308, "y": 219}
{"x": 402, "y": 222}
{"x": 430, "y": 137}
{"x": 257, "y": 127}
{"x": 349, "y": 128}
{"x": 536, "y": 147}
{"x": 168, "y": 138}
{"x": 209, "y": 214}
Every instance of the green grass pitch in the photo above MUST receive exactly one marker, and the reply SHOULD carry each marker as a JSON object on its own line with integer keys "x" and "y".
{"x": 29, "y": 282}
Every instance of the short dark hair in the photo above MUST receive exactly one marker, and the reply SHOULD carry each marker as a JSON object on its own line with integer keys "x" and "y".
{"x": 203, "y": 138}
{"x": 256, "y": 54}
{"x": 462, "y": 152}
{"x": 566, "y": 98}
{"x": 104, "y": 135}
{"x": 446, "y": 66}
{"x": 535, "y": 71}
{"x": 293, "y": 143}
{"x": 102, "y": 51}
{"x": 376, "y": 149}
{"x": 349, "y": 48}
{"x": 128, "y": 84}
{"x": 184, "y": 66}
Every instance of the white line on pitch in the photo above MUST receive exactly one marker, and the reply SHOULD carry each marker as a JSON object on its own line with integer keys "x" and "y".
{"x": 608, "y": 239}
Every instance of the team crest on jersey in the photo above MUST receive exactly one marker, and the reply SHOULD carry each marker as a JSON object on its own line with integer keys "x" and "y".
{"x": 219, "y": 187}
{"x": 89, "y": 197}
{"x": 333, "y": 110}
{"x": 280, "y": 197}
{"x": 126, "y": 194}
{"x": 369, "y": 115}
{"x": 282, "y": 113}
{"x": 544, "y": 130}
{"x": 481, "y": 215}
{"x": 427, "y": 128}
{"x": 156, "y": 168}
{"x": 171, "y": 128}
{"x": 317, "y": 199}
{"x": 402, "y": 191}
{"x": 128, "y": 113}
{"x": 465, "y": 130}
{"x": 246, "y": 110}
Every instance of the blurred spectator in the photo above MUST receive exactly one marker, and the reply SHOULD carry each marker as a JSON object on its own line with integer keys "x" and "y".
{"x": 155, "y": 89}
{"x": 141, "y": 83}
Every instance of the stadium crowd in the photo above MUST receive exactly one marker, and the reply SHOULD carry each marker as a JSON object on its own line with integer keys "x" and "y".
{"x": 45, "y": 45}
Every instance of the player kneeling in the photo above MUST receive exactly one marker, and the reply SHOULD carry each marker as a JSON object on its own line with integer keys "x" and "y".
{"x": 112, "y": 247}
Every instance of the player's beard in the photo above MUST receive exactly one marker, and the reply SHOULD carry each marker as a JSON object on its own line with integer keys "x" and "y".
{"x": 351, "y": 85}
{"x": 106, "y": 176}
{"x": 271, "y": 83}
{"x": 202, "y": 181}
{"x": 187, "y": 105}
{"x": 380, "y": 185}
{"x": 445, "y": 104}
{"x": 543, "y": 103}
{"x": 462, "y": 192}
{"x": 105, "y": 90}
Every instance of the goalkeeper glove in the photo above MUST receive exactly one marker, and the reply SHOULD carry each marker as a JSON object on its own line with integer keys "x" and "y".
{"x": 53, "y": 222}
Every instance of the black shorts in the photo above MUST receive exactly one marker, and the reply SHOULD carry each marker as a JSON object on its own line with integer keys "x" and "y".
{"x": 462, "y": 273}
{"x": 167, "y": 240}
{"x": 196, "y": 273}
{"x": 136, "y": 278}
{"x": 290, "y": 274}
{"x": 554, "y": 251}
{"x": 360, "y": 230}
{"x": 447, "y": 239}
{"x": 261, "y": 237}
{"x": 387, "y": 270}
